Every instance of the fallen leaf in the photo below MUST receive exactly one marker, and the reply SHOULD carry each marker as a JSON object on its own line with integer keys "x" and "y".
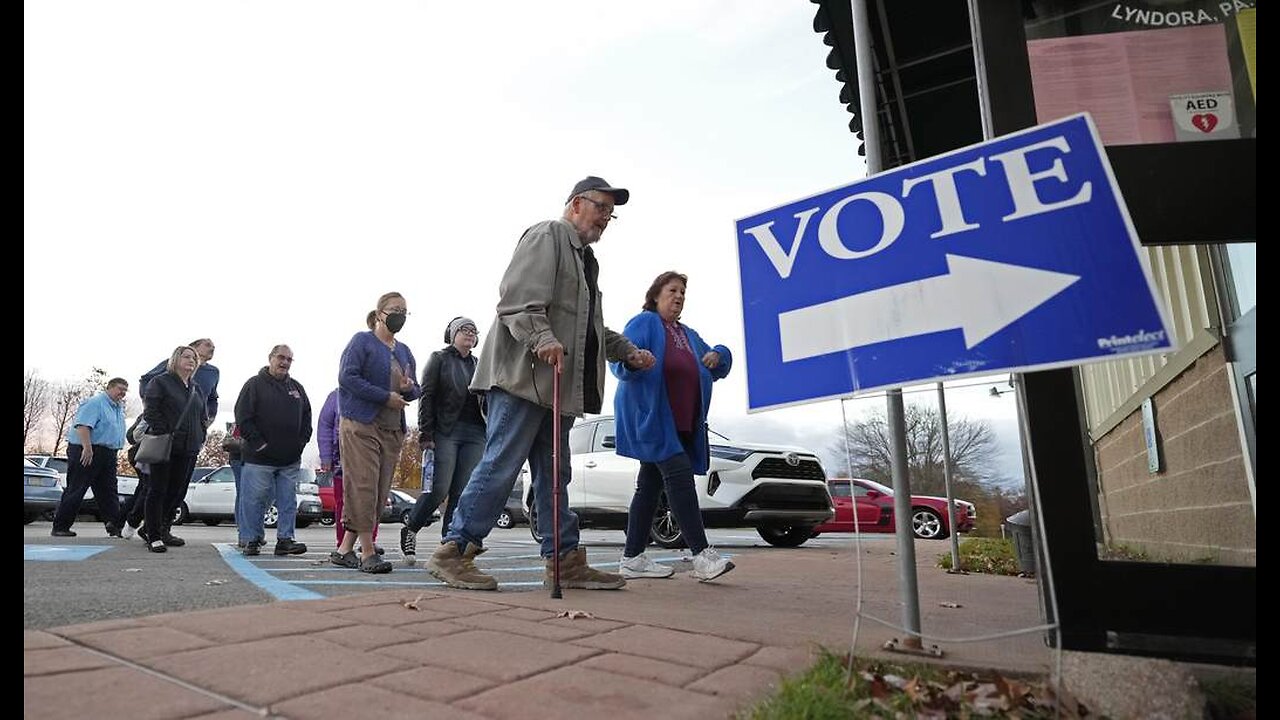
{"x": 575, "y": 614}
{"x": 412, "y": 604}
{"x": 132, "y": 570}
{"x": 950, "y": 604}
{"x": 216, "y": 582}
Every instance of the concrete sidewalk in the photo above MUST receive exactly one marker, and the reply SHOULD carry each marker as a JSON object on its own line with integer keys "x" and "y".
{"x": 675, "y": 648}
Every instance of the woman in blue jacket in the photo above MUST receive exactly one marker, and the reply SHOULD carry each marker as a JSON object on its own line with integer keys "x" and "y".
{"x": 661, "y": 418}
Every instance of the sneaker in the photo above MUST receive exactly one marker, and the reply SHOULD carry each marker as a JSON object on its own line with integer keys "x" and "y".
{"x": 409, "y": 545}
{"x": 63, "y": 533}
{"x": 458, "y": 569}
{"x": 375, "y": 565}
{"x": 641, "y": 566}
{"x": 251, "y": 548}
{"x": 289, "y": 546}
{"x": 173, "y": 540}
{"x": 348, "y": 560}
{"x": 576, "y": 573}
{"x": 708, "y": 565}
{"x": 128, "y": 531}
{"x": 156, "y": 546}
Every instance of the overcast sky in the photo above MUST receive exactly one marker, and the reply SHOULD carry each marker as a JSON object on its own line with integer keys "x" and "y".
{"x": 260, "y": 172}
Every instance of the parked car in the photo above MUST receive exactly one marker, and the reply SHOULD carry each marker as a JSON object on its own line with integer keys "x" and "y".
{"x": 398, "y": 507}
{"x": 40, "y": 492}
{"x": 780, "y": 491}
{"x": 211, "y": 499}
{"x": 324, "y": 483}
{"x": 513, "y": 513}
{"x": 89, "y": 505}
{"x": 874, "y": 503}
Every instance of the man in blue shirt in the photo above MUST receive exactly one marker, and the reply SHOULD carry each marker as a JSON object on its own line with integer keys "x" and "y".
{"x": 94, "y": 440}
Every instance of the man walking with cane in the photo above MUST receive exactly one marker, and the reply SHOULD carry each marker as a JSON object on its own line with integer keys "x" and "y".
{"x": 548, "y": 321}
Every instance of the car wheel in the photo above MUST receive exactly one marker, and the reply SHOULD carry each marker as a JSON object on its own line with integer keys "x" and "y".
{"x": 406, "y": 516}
{"x": 665, "y": 530}
{"x": 328, "y": 521}
{"x": 533, "y": 523}
{"x": 272, "y": 517}
{"x": 786, "y": 536}
{"x": 927, "y": 524}
{"x": 504, "y": 520}
{"x": 212, "y": 522}
{"x": 181, "y": 514}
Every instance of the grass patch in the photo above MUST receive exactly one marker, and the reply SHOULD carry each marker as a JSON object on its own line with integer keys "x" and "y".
{"x": 993, "y": 556}
{"x": 1120, "y": 551}
{"x": 1229, "y": 698}
{"x": 879, "y": 689}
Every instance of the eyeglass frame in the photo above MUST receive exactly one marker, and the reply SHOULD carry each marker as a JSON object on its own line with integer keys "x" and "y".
{"x": 599, "y": 206}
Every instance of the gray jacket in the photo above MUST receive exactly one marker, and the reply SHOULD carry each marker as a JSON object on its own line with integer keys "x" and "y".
{"x": 543, "y": 297}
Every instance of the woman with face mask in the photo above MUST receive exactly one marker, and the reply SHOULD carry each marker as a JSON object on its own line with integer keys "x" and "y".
{"x": 375, "y": 384}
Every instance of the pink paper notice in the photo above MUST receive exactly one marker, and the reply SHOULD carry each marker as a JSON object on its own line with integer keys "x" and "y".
{"x": 1125, "y": 79}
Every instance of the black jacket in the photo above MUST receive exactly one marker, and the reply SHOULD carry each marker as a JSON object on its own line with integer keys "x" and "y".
{"x": 275, "y": 420}
{"x": 445, "y": 394}
{"x": 165, "y": 399}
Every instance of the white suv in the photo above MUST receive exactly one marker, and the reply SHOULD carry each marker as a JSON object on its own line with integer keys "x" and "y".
{"x": 780, "y": 491}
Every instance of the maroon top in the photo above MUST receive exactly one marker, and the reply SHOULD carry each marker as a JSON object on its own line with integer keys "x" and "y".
{"x": 680, "y": 371}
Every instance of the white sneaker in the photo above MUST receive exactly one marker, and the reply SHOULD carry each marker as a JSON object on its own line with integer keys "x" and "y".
{"x": 708, "y": 565}
{"x": 128, "y": 531}
{"x": 641, "y": 566}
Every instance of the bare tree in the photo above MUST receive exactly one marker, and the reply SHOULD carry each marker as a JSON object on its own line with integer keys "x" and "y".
{"x": 66, "y": 400}
{"x": 409, "y": 467}
{"x": 973, "y": 450}
{"x": 35, "y": 403}
{"x": 213, "y": 454}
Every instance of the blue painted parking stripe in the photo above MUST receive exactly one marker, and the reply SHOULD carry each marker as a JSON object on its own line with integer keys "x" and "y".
{"x": 270, "y": 584}
{"x": 61, "y": 553}
{"x": 425, "y": 583}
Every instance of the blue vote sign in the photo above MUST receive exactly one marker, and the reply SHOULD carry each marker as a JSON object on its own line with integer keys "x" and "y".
{"x": 1015, "y": 254}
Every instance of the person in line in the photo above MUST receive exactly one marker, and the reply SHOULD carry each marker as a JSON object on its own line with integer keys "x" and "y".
{"x": 660, "y": 417}
{"x": 375, "y": 384}
{"x": 331, "y": 461}
{"x": 549, "y": 320}
{"x": 449, "y": 421}
{"x": 172, "y": 405}
{"x": 93, "y": 447}
{"x": 206, "y": 379}
{"x": 273, "y": 414}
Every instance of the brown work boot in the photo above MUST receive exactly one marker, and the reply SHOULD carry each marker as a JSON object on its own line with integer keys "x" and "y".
{"x": 576, "y": 573}
{"x": 458, "y": 569}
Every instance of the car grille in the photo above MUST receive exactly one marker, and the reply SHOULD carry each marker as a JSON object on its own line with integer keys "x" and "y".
{"x": 807, "y": 469}
{"x": 787, "y": 497}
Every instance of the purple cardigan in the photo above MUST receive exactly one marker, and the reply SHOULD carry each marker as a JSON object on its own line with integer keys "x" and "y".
{"x": 327, "y": 430}
{"x": 364, "y": 377}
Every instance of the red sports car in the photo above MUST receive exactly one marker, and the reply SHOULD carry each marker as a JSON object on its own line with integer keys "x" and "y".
{"x": 874, "y": 504}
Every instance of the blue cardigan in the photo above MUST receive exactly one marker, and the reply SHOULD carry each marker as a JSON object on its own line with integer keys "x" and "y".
{"x": 364, "y": 377}
{"x": 646, "y": 430}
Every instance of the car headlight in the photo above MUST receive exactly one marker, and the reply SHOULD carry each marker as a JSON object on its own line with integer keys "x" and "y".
{"x": 728, "y": 452}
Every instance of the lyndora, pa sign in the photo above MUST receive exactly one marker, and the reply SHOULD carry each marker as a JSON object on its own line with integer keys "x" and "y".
{"x": 1015, "y": 254}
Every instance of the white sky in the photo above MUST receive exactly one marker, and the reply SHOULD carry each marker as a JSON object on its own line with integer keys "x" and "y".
{"x": 260, "y": 172}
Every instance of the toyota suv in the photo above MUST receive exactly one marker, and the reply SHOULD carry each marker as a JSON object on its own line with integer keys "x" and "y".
{"x": 780, "y": 491}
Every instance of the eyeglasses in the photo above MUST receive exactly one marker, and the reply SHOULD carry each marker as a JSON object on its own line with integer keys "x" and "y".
{"x": 468, "y": 331}
{"x": 606, "y": 209}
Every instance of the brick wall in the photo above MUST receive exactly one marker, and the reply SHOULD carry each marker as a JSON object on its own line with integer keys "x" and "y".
{"x": 1197, "y": 508}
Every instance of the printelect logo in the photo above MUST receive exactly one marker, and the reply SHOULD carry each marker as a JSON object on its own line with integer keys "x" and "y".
{"x": 1126, "y": 342}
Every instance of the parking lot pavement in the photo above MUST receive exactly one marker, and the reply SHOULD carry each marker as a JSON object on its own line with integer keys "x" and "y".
{"x": 513, "y": 560}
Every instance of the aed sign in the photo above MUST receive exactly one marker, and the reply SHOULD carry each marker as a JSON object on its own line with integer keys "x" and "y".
{"x": 1012, "y": 255}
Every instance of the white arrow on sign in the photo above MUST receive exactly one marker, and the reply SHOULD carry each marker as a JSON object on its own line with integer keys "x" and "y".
{"x": 979, "y": 296}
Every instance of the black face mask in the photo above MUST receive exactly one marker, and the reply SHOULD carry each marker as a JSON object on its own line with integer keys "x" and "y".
{"x": 395, "y": 321}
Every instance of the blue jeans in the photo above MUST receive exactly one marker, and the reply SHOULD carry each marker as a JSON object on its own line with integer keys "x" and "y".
{"x": 261, "y": 484}
{"x": 676, "y": 475}
{"x": 517, "y": 430}
{"x": 236, "y": 467}
{"x": 457, "y": 454}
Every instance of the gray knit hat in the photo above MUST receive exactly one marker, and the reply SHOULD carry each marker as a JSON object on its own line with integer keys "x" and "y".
{"x": 457, "y": 324}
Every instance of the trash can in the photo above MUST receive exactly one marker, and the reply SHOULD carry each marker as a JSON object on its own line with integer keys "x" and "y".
{"x": 1019, "y": 527}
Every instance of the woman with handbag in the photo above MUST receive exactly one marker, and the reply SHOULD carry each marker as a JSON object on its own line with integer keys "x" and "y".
{"x": 173, "y": 411}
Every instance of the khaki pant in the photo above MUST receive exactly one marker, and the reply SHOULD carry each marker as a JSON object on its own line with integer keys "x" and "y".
{"x": 369, "y": 457}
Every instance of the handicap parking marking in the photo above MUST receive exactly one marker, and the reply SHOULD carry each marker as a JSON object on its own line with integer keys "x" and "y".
{"x": 61, "y": 553}
{"x": 270, "y": 584}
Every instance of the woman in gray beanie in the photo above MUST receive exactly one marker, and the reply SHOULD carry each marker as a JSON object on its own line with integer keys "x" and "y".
{"x": 450, "y": 423}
